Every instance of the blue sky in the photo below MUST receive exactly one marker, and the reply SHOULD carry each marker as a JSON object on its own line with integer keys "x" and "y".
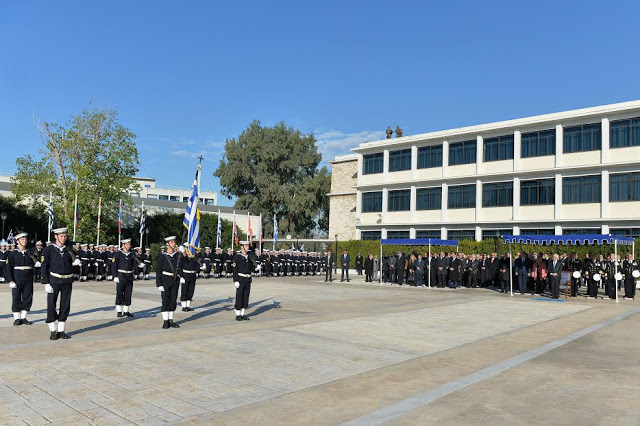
{"x": 185, "y": 76}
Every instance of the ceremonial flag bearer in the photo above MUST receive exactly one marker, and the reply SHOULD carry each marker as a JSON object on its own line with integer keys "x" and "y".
{"x": 168, "y": 280}
{"x": 242, "y": 266}
{"x": 19, "y": 273}
{"x": 57, "y": 270}
{"x": 122, "y": 268}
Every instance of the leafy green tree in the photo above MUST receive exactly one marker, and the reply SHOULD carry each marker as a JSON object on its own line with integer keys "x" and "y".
{"x": 21, "y": 217}
{"x": 274, "y": 170}
{"x": 92, "y": 156}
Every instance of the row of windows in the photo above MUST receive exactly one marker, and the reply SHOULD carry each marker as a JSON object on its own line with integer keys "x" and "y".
{"x": 488, "y": 234}
{"x": 588, "y": 137}
{"x": 579, "y": 189}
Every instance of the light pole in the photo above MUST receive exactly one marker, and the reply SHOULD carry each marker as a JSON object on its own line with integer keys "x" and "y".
{"x": 3, "y": 215}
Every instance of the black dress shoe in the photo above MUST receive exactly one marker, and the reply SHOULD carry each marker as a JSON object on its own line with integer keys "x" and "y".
{"x": 17, "y": 322}
{"x": 173, "y": 324}
{"x": 63, "y": 335}
{"x": 238, "y": 318}
{"x": 244, "y": 317}
{"x": 25, "y": 321}
{"x": 54, "y": 335}
{"x": 165, "y": 325}
{"x": 119, "y": 314}
{"x": 127, "y": 314}
{"x": 185, "y": 309}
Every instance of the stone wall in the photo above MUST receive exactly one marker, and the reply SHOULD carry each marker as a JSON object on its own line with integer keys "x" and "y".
{"x": 342, "y": 202}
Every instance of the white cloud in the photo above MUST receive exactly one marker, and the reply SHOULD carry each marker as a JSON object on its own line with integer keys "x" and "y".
{"x": 335, "y": 142}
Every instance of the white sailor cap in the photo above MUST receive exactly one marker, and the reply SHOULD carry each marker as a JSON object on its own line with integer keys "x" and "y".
{"x": 84, "y": 245}
{"x": 207, "y": 248}
{"x": 20, "y": 235}
{"x": 244, "y": 243}
{"x": 147, "y": 249}
{"x": 137, "y": 248}
{"x": 59, "y": 231}
{"x": 39, "y": 243}
{"x": 126, "y": 241}
{"x": 171, "y": 238}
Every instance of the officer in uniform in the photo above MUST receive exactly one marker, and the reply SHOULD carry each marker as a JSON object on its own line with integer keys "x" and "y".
{"x": 19, "y": 273}
{"x": 122, "y": 269}
{"x": 168, "y": 280}
{"x": 37, "y": 253}
{"x": 242, "y": 266}
{"x": 3, "y": 258}
{"x": 629, "y": 265}
{"x": 190, "y": 265}
{"x": 146, "y": 260}
{"x": 592, "y": 268}
{"x": 57, "y": 277}
{"x": 575, "y": 265}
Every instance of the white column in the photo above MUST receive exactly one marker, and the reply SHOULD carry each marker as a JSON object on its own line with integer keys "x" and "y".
{"x": 383, "y": 233}
{"x": 445, "y": 158}
{"x": 385, "y": 166}
{"x": 443, "y": 233}
{"x": 412, "y": 205}
{"x": 604, "y": 192}
{"x": 479, "y": 154}
{"x": 478, "y": 233}
{"x": 414, "y": 161}
{"x": 445, "y": 199}
{"x": 360, "y": 164}
{"x": 478, "y": 199}
{"x": 516, "y": 198}
{"x": 559, "y": 140}
{"x": 516, "y": 230}
{"x": 358, "y": 204}
{"x": 385, "y": 203}
{"x": 604, "y": 151}
{"x": 412, "y": 233}
{"x": 358, "y": 234}
{"x": 605, "y": 230}
{"x": 558, "y": 203}
{"x": 557, "y": 230}
{"x": 517, "y": 145}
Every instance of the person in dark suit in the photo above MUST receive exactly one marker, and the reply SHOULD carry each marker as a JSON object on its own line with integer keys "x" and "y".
{"x": 345, "y": 261}
{"x": 442, "y": 269}
{"x": 359, "y": 263}
{"x": 555, "y": 271}
{"x": 401, "y": 268}
{"x": 368, "y": 269}
{"x": 494, "y": 263}
{"x": 504, "y": 270}
{"x": 330, "y": 260}
{"x": 455, "y": 271}
{"x": 523, "y": 271}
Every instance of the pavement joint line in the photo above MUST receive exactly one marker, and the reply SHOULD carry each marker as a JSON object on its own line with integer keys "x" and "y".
{"x": 409, "y": 404}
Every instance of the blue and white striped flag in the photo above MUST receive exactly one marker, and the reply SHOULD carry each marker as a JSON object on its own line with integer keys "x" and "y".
{"x": 275, "y": 231}
{"x": 192, "y": 216}
{"x": 143, "y": 221}
{"x": 50, "y": 215}
{"x": 219, "y": 239}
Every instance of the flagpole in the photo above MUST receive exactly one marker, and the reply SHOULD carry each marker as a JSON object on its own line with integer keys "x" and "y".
{"x": 120, "y": 224}
{"x": 250, "y": 231}
{"x": 233, "y": 232}
{"x": 260, "y": 243}
{"x": 141, "y": 229}
{"x": 75, "y": 217}
{"x": 99, "y": 212}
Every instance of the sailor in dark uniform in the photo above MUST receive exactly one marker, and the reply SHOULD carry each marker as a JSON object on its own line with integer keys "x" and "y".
{"x": 146, "y": 259}
{"x": 92, "y": 262}
{"x": 190, "y": 265}
{"x": 207, "y": 258}
{"x": 108, "y": 260}
{"x": 217, "y": 263}
{"x": 228, "y": 260}
{"x": 242, "y": 266}
{"x": 57, "y": 277}
{"x": 99, "y": 258}
{"x": 630, "y": 272}
{"x": 37, "y": 252}
{"x": 168, "y": 280}
{"x": 19, "y": 273}
{"x": 3, "y": 259}
{"x": 122, "y": 269}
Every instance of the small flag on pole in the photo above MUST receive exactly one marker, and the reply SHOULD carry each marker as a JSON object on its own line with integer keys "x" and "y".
{"x": 250, "y": 231}
{"x": 143, "y": 221}
{"x": 275, "y": 231}
{"x": 235, "y": 230}
{"x": 219, "y": 237}
{"x": 120, "y": 218}
{"x": 260, "y": 231}
{"x": 192, "y": 216}
{"x": 50, "y": 215}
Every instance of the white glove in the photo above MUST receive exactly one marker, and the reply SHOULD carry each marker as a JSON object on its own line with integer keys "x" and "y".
{"x": 77, "y": 262}
{"x": 13, "y": 285}
{"x": 161, "y": 288}
{"x": 48, "y": 288}
{"x": 116, "y": 280}
{"x": 181, "y": 249}
{"x": 141, "y": 265}
{"x": 38, "y": 264}
{"x": 95, "y": 264}
{"x": 182, "y": 281}
{"x": 203, "y": 267}
{"x": 237, "y": 284}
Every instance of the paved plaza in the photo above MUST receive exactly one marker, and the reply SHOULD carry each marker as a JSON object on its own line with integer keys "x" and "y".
{"x": 316, "y": 353}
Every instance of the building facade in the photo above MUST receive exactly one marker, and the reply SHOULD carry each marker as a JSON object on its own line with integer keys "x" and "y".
{"x": 342, "y": 198}
{"x": 564, "y": 173}
{"x": 148, "y": 189}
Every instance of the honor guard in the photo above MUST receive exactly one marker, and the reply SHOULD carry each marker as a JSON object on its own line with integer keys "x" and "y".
{"x": 242, "y": 266}
{"x": 630, "y": 273}
{"x": 190, "y": 265}
{"x": 146, "y": 259}
{"x": 122, "y": 269}
{"x": 3, "y": 258}
{"x": 167, "y": 281}
{"x": 57, "y": 277}
{"x": 19, "y": 272}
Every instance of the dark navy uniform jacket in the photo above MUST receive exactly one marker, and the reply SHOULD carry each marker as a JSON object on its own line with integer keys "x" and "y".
{"x": 168, "y": 268}
{"x": 57, "y": 260}
{"x": 242, "y": 267}
{"x": 123, "y": 261}
{"x": 22, "y": 260}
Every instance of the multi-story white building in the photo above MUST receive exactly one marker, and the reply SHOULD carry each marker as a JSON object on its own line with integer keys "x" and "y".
{"x": 563, "y": 173}
{"x": 148, "y": 189}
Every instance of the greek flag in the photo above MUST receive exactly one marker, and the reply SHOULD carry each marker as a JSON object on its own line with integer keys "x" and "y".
{"x": 275, "y": 231}
{"x": 10, "y": 238}
{"x": 219, "y": 240}
{"x": 143, "y": 221}
{"x": 192, "y": 216}
{"x": 50, "y": 213}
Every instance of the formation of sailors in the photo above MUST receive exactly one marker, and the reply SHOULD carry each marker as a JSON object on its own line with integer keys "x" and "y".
{"x": 534, "y": 273}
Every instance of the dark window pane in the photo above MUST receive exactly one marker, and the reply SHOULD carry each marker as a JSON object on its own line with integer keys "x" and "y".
{"x": 538, "y": 144}
{"x": 397, "y": 234}
{"x": 581, "y": 189}
{"x": 373, "y": 163}
{"x": 428, "y": 234}
{"x": 370, "y": 235}
{"x": 537, "y": 192}
{"x": 462, "y": 197}
{"x": 399, "y": 200}
{"x": 461, "y": 234}
{"x": 430, "y": 156}
{"x": 462, "y": 153}
{"x": 500, "y": 148}
{"x": 582, "y": 138}
{"x": 400, "y": 160}
{"x": 429, "y": 198}
{"x": 497, "y": 194}
{"x": 371, "y": 202}
{"x": 624, "y": 187}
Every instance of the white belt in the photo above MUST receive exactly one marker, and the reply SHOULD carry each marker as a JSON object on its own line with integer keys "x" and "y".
{"x": 188, "y": 272}
{"x": 122, "y": 271}
{"x": 3, "y": 260}
{"x": 146, "y": 261}
{"x": 84, "y": 258}
{"x": 23, "y": 268}
{"x": 62, "y": 277}
{"x": 244, "y": 275}
{"x": 99, "y": 260}
{"x": 169, "y": 274}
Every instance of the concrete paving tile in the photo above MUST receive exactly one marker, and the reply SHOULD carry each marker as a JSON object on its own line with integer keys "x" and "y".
{"x": 102, "y": 416}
